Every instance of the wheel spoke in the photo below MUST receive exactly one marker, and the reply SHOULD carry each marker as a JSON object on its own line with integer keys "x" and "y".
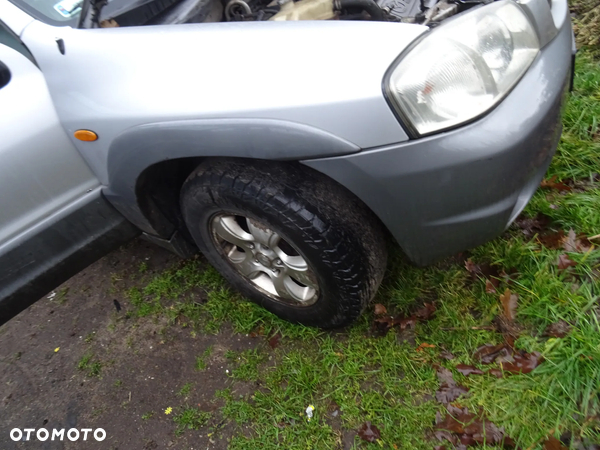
{"x": 281, "y": 288}
{"x": 263, "y": 235}
{"x": 297, "y": 268}
{"x": 248, "y": 267}
{"x": 228, "y": 229}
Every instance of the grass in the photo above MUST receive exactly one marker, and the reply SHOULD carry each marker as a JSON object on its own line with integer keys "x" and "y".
{"x": 201, "y": 360}
{"x": 185, "y": 390}
{"x": 87, "y": 364}
{"x": 190, "y": 419}
{"x": 354, "y": 376}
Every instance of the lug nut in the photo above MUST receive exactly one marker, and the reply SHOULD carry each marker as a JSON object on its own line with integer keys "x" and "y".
{"x": 250, "y": 246}
{"x": 275, "y": 271}
{"x": 278, "y": 262}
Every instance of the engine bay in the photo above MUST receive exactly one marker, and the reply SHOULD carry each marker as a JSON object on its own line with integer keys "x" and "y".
{"x": 107, "y": 13}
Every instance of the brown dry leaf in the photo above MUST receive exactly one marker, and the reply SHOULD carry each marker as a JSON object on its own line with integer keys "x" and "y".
{"x": 257, "y": 332}
{"x": 531, "y": 226}
{"x": 449, "y": 390}
{"x": 564, "y": 262}
{"x": 425, "y": 312}
{"x": 491, "y": 285}
{"x": 553, "y": 184}
{"x": 471, "y": 267}
{"x": 570, "y": 242}
{"x": 558, "y": 329}
{"x": 274, "y": 340}
{"x": 468, "y": 370}
{"x": 576, "y": 244}
{"x": 446, "y": 355}
{"x": 423, "y": 346}
{"x": 369, "y": 432}
{"x": 553, "y": 241}
{"x": 523, "y": 363}
{"x": 488, "y": 353}
{"x": 551, "y": 443}
{"x": 496, "y": 372}
{"x": 408, "y": 322}
{"x": 509, "y": 303}
{"x": 380, "y": 309}
{"x": 470, "y": 429}
{"x": 448, "y": 393}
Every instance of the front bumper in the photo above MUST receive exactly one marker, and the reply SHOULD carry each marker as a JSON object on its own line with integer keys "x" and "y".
{"x": 456, "y": 190}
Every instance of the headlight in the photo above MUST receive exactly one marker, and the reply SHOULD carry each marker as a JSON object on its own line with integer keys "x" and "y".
{"x": 464, "y": 67}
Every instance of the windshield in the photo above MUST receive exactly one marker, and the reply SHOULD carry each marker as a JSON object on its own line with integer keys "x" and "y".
{"x": 54, "y": 12}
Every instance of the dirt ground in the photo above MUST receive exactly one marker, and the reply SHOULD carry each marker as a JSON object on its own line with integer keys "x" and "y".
{"x": 142, "y": 364}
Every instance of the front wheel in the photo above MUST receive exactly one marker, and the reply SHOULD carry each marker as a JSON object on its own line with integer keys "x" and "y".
{"x": 286, "y": 237}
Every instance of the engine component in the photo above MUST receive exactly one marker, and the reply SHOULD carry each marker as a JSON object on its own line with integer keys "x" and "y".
{"x": 187, "y": 11}
{"x": 305, "y": 10}
{"x": 239, "y": 6}
{"x": 401, "y": 9}
{"x": 369, "y": 6}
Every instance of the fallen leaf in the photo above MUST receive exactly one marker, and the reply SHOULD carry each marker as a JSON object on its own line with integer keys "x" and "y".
{"x": 446, "y": 355}
{"x": 117, "y": 305}
{"x": 509, "y": 303}
{"x": 257, "y": 332}
{"x": 558, "y": 329}
{"x": 380, "y": 309}
{"x": 455, "y": 420}
{"x": 448, "y": 393}
{"x": 551, "y": 183}
{"x": 471, "y": 267}
{"x": 471, "y": 429}
{"x": 576, "y": 244}
{"x": 523, "y": 363}
{"x": 449, "y": 390}
{"x": 425, "y": 312}
{"x": 551, "y": 443}
{"x": 488, "y": 353}
{"x": 274, "y": 341}
{"x": 408, "y": 322}
{"x": 442, "y": 435}
{"x": 564, "y": 262}
{"x": 496, "y": 372}
{"x": 369, "y": 432}
{"x": 424, "y": 345}
{"x": 491, "y": 285}
{"x": 468, "y": 370}
{"x": 570, "y": 242}
{"x": 553, "y": 240}
{"x": 530, "y": 226}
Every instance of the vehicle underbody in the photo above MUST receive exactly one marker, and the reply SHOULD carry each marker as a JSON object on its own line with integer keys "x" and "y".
{"x": 100, "y": 13}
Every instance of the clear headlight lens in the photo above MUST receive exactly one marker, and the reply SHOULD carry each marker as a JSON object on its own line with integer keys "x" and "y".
{"x": 464, "y": 67}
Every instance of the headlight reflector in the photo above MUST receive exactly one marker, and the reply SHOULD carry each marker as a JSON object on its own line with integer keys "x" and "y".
{"x": 464, "y": 67}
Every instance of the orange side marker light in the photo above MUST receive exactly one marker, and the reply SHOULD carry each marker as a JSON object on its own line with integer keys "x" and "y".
{"x": 85, "y": 135}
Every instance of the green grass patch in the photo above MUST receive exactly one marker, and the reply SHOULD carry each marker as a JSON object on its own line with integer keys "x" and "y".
{"x": 87, "y": 364}
{"x": 190, "y": 419}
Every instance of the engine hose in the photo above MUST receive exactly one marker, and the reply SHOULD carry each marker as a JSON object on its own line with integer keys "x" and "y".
{"x": 366, "y": 5}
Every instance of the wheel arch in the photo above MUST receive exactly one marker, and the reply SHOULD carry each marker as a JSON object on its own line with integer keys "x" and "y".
{"x": 148, "y": 164}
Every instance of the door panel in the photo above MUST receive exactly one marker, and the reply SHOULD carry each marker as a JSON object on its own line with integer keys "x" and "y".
{"x": 40, "y": 169}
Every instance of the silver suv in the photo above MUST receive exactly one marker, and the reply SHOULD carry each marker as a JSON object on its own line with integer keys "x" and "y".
{"x": 283, "y": 139}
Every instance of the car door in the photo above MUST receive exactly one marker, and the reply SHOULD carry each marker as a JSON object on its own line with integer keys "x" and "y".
{"x": 51, "y": 209}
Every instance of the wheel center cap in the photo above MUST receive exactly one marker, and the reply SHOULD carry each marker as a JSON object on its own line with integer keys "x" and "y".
{"x": 264, "y": 260}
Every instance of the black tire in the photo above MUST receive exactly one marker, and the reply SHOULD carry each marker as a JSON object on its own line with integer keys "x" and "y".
{"x": 335, "y": 233}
